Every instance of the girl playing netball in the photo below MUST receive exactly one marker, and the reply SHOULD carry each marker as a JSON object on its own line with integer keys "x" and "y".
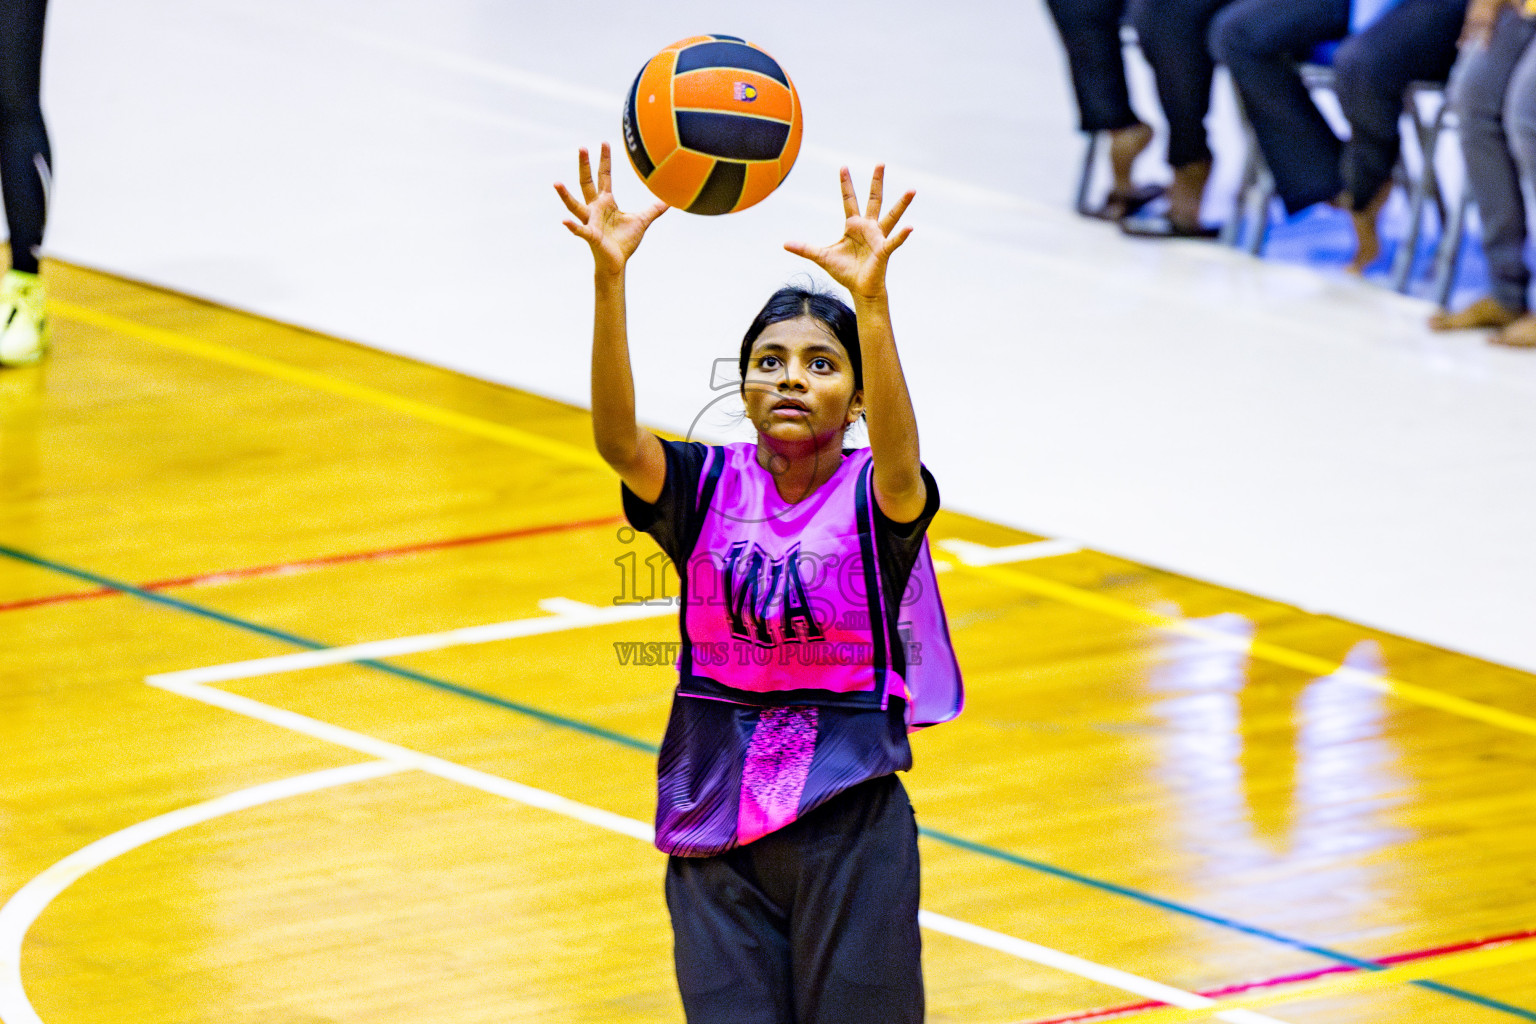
{"x": 812, "y": 639}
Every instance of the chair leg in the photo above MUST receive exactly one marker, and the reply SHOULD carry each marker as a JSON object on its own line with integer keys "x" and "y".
{"x": 1430, "y": 145}
{"x": 1085, "y": 179}
{"x": 1258, "y": 198}
{"x": 1423, "y": 188}
{"x": 1232, "y": 230}
{"x": 1448, "y": 253}
{"x": 1402, "y": 262}
{"x": 1248, "y": 226}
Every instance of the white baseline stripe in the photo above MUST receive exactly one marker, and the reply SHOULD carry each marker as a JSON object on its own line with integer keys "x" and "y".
{"x": 532, "y": 797}
{"x": 33, "y": 898}
{"x": 982, "y": 554}
{"x": 1049, "y": 957}
{"x": 567, "y": 614}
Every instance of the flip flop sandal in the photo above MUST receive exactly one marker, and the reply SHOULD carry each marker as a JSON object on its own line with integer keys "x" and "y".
{"x": 1120, "y": 205}
{"x": 1162, "y": 227}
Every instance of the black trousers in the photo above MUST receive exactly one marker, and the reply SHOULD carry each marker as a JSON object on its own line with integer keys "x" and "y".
{"x": 1172, "y": 36}
{"x": 1414, "y": 41}
{"x": 25, "y": 160}
{"x": 1260, "y": 41}
{"x": 1090, "y": 32}
{"x": 813, "y": 924}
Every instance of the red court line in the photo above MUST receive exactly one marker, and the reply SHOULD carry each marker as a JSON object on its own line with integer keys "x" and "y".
{"x": 230, "y": 575}
{"x": 1291, "y": 979}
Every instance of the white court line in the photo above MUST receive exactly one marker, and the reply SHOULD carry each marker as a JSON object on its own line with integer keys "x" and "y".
{"x": 983, "y": 554}
{"x": 532, "y": 797}
{"x": 1048, "y": 957}
{"x": 33, "y": 898}
{"x": 386, "y": 751}
{"x": 566, "y": 614}
{"x": 21, "y": 910}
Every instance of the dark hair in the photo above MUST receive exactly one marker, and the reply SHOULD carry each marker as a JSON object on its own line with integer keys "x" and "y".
{"x": 826, "y": 309}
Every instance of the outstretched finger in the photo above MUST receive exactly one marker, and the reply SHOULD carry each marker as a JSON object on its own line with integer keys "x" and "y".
{"x": 850, "y": 197}
{"x": 810, "y": 252}
{"x": 895, "y": 241}
{"x": 894, "y": 213}
{"x": 588, "y": 189}
{"x": 578, "y": 210}
{"x": 650, "y": 215}
{"x": 581, "y": 231}
{"x": 605, "y": 170}
{"x": 876, "y": 192}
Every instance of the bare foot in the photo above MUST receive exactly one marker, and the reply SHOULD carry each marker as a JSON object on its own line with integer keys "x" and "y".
{"x": 1125, "y": 145}
{"x": 1186, "y": 192}
{"x": 1367, "y": 241}
{"x": 1485, "y": 312}
{"x": 1520, "y": 334}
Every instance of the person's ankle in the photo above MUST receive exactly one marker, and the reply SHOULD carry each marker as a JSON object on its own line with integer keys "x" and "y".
{"x": 1125, "y": 145}
{"x": 1187, "y": 192}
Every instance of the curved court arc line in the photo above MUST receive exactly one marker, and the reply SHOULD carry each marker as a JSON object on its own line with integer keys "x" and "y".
{"x": 32, "y": 899}
{"x": 1337, "y": 956}
{"x": 544, "y": 800}
{"x": 28, "y": 903}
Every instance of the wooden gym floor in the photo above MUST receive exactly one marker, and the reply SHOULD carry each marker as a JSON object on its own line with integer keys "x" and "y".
{"x": 1160, "y": 788}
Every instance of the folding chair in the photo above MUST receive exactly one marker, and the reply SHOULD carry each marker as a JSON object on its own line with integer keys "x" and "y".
{"x": 1249, "y": 225}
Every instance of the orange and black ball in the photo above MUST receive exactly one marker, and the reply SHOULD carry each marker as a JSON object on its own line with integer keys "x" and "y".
{"x": 712, "y": 124}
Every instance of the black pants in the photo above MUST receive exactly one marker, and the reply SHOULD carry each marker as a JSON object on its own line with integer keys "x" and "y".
{"x": 1260, "y": 41}
{"x": 1090, "y": 31}
{"x": 1414, "y": 41}
{"x": 813, "y": 924}
{"x": 25, "y": 159}
{"x": 1172, "y": 36}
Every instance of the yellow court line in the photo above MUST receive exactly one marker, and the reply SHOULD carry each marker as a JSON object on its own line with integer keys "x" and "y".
{"x": 335, "y": 385}
{"x": 1353, "y": 984}
{"x": 1015, "y": 578}
{"x": 1258, "y": 650}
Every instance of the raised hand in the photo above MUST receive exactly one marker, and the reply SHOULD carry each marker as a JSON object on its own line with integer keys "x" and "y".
{"x": 857, "y": 261}
{"x": 613, "y": 234}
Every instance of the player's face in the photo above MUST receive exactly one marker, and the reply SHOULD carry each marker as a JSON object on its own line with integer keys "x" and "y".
{"x": 799, "y": 384}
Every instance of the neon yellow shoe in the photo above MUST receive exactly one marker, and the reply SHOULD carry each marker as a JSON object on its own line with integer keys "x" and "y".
{"x": 23, "y": 319}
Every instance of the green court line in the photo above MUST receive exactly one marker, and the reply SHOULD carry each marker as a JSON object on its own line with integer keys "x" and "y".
{"x": 633, "y": 743}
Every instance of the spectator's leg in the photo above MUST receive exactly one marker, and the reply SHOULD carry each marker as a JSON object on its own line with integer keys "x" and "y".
{"x": 1125, "y": 145}
{"x": 1478, "y": 87}
{"x": 1260, "y": 41}
{"x": 1090, "y": 33}
{"x": 1520, "y": 127}
{"x": 25, "y": 171}
{"x": 1414, "y": 41}
{"x": 1172, "y": 38}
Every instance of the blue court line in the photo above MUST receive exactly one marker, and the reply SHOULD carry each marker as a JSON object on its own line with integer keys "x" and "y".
{"x": 1223, "y": 922}
{"x": 651, "y": 748}
{"x": 313, "y": 645}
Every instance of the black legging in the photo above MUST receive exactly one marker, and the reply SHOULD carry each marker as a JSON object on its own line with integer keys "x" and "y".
{"x": 25, "y": 160}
